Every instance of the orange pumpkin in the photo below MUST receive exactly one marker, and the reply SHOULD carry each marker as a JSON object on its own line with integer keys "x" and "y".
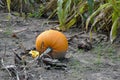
{"x": 53, "y": 39}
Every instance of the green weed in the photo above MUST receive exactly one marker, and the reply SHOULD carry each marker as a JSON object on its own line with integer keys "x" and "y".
{"x": 38, "y": 13}
{"x": 104, "y": 52}
{"x": 108, "y": 13}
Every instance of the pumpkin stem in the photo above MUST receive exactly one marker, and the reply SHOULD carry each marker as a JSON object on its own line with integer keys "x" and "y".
{"x": 46, "y": 52}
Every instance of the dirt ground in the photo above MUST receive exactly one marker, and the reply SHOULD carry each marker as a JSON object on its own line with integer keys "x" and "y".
{"x": 100, "y": 63}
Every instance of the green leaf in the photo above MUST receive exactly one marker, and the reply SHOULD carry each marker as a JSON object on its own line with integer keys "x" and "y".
{"x": 67, "y": 5}
{"x": 91, "y": 6}
{"x": 114, "y": 16}
{"x": 25, "y": 1}
{"x": 95, "y": 13}
{"x": 32, "y": 1}
{"x": 8, "y": 5}
{"x": 63, "y": 11}
{"x": 60, "y": 11}
{"x": 83, "y": 7}
{"x": 113, "y": 32}
{"x": 71, "y": 22}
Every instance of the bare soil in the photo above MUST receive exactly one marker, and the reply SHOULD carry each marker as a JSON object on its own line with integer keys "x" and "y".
{"x": 102, "y": 62}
